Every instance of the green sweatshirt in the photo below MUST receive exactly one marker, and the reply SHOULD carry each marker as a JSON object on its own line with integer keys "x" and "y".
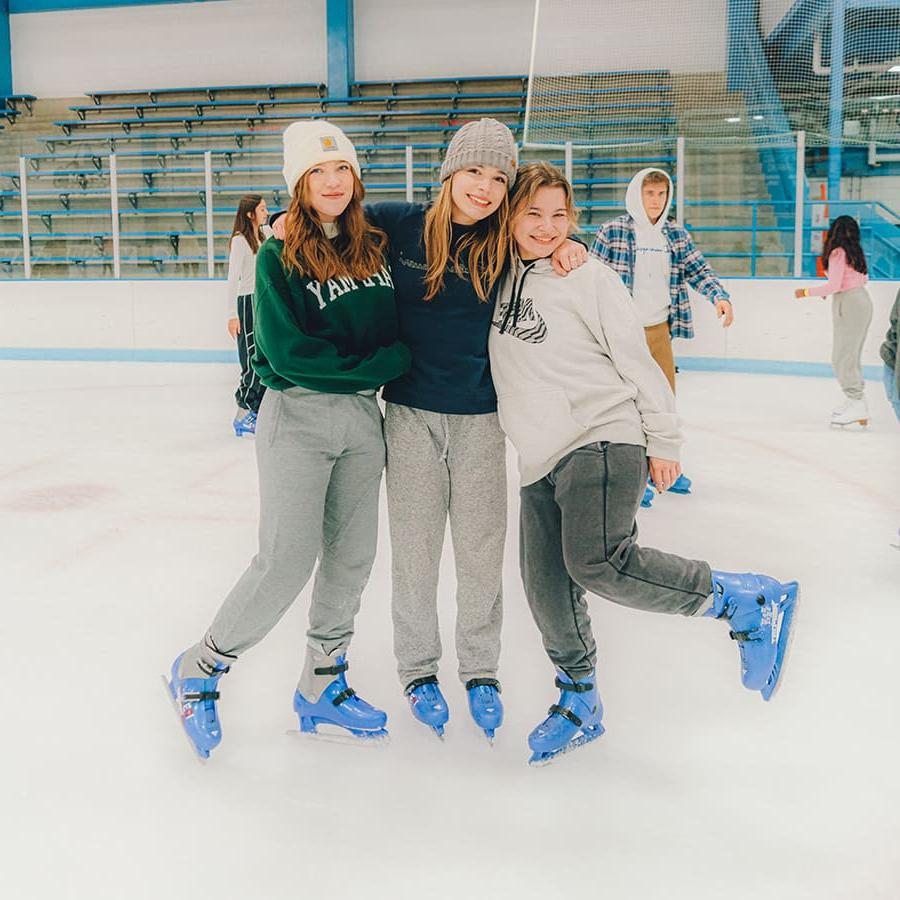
{"x": 339, "y": 337}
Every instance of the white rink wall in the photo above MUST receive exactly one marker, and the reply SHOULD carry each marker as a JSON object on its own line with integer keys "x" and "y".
{"x": 185, "y": 321}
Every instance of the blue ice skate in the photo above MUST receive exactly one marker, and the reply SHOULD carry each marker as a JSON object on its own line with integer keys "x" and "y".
{"x": 760, "y": 612}
{"x": 788, "y": 602}
{"x": 485, "y": 704}
{"x": 195, "y": 702}
{"x": 428, "y": 704}
{"x": 339, "y": 705}
{"x": 681, "y": 485}
{"x": 245, "y": 424}
{"x": 647, "y": 499}
{"x": 571, "y": 723}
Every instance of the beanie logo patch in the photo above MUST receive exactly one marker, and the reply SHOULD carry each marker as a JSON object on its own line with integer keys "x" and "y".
{"x": 328, "y": 143}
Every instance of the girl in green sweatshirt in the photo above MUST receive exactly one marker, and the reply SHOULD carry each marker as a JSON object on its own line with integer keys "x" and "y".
{"x": 326, "y": 340}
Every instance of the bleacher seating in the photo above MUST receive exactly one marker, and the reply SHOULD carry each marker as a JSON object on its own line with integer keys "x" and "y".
{"x": 161, "y": 184}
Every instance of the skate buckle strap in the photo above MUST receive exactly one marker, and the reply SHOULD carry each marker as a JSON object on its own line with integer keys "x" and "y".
{"x": 742, "y": 636}
{"x": 332, "y": 670}
{"x": 483, "y": 682}
{"x": 574, "y": 688}
{"x": 199, "y": 696}
{"x": 418, "y": 682}
{"x": 344, "y": 695}
{"x": 213, "y": 671}
{"x": 566, "y": 714}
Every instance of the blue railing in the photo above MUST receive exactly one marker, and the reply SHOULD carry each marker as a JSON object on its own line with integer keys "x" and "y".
{"x": 879, "y": 232}
{"x": 879, "y": 226}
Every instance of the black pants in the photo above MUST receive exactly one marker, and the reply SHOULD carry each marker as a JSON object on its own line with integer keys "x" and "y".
{"x": 578, "y": 533}
{"x": 250, "y": 389}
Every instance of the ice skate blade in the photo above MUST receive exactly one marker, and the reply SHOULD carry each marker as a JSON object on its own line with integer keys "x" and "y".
{"x": 172, "y": 702}
{"x": 539, "y": 760}
{"x": 863, "y": 422}
{"x": 788, "y": 623}
{"x": 334, "y": 734}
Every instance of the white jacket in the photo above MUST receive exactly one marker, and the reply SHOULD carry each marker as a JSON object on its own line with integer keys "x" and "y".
{"x": 571, "y": 366}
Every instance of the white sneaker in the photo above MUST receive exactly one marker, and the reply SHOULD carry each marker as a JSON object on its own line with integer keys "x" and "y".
{"x": 851, "y": 412}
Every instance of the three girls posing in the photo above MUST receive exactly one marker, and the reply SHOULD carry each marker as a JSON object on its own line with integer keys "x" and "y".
{"x": 327, "y": 337}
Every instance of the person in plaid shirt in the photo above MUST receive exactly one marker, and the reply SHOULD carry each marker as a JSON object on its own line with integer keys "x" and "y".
{"x": 657, "y": 260}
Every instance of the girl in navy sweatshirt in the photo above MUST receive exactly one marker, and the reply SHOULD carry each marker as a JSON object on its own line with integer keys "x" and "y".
{"x": 446, "y": 454}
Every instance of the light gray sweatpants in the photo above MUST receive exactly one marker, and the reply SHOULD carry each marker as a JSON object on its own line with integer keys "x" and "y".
{"x": 441, "y": 466}
{"x": 851, "y": 313}
{"x": 320, "y": 459}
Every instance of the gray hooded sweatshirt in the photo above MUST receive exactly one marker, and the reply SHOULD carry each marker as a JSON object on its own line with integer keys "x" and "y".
{"x": 571, "y": 366}
{"x": 652, "y": 262}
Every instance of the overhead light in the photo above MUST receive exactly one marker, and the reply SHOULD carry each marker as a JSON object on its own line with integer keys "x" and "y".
{"x": 733, "y": 119}
{"x": 758, "y": 118}
{"x": 894, "y": 69}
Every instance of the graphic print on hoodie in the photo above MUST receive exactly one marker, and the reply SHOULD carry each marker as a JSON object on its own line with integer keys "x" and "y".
{"x": 516, "y": 316}
{"x": 652, "y": 258}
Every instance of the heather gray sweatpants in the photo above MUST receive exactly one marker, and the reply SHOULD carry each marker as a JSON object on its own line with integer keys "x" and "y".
{"x": 320, "y": 459}
{"x": 441, "y": 466}
{"x": 851, "y": 314}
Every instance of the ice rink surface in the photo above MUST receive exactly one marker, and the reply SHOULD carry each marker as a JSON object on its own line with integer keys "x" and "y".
{"x": 128, "y": 510}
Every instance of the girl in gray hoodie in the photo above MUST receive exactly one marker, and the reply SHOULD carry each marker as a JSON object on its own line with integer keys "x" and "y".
{"x": 589, "y": 411}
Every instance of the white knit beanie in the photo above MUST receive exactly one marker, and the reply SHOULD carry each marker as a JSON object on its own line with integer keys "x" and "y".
{"x": 306, "y": 144}
{"x": 486, "y": 142}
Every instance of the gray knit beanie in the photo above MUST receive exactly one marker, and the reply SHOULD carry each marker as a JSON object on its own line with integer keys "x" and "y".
{"x": 486, "y": 142}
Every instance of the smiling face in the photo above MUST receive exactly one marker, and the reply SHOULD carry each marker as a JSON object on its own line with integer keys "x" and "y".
{"x": 476, "y": 192}
{"x": 543, "y": 225}
{"x": 329, "y": 188}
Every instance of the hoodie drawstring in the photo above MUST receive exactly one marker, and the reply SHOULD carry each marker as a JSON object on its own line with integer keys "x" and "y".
{"x": 516, "y": 301}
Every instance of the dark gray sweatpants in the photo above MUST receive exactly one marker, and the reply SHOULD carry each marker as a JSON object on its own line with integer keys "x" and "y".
{"x": 578, "y": 533}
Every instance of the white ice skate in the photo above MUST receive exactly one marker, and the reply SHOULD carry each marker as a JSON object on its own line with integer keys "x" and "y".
{"x": 851, "y": 412}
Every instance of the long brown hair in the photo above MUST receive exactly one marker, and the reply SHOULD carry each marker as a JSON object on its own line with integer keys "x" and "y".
{"x": 529, "y": 180}
{"x": 243, "y": 223}
{"x": 487, "y": 245}
{"x": 357, "y": 251}
{"x": 844, "y": 233}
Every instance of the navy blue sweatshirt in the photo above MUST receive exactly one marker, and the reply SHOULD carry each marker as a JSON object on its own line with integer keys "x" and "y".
{"x": 448, "y": 335}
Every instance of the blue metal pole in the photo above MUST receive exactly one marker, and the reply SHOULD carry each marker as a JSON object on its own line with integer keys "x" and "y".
{"x": 341, "y": 56}
{"x": 743, "y": 22}
{"x": 6, "y": 78}
{"x": 753, "y": 241}
{"x": 836, "y": 100}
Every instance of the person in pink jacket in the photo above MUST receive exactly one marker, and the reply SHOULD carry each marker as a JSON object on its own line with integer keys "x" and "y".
{"x": 845, "y": 264}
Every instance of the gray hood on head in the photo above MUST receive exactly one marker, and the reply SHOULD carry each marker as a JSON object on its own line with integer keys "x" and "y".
{"x": 635, "y": 205}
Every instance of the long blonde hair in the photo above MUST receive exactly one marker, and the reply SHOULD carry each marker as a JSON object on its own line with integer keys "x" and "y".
{"x": 487, "y": 245}
{"x": 357, "y": 251}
